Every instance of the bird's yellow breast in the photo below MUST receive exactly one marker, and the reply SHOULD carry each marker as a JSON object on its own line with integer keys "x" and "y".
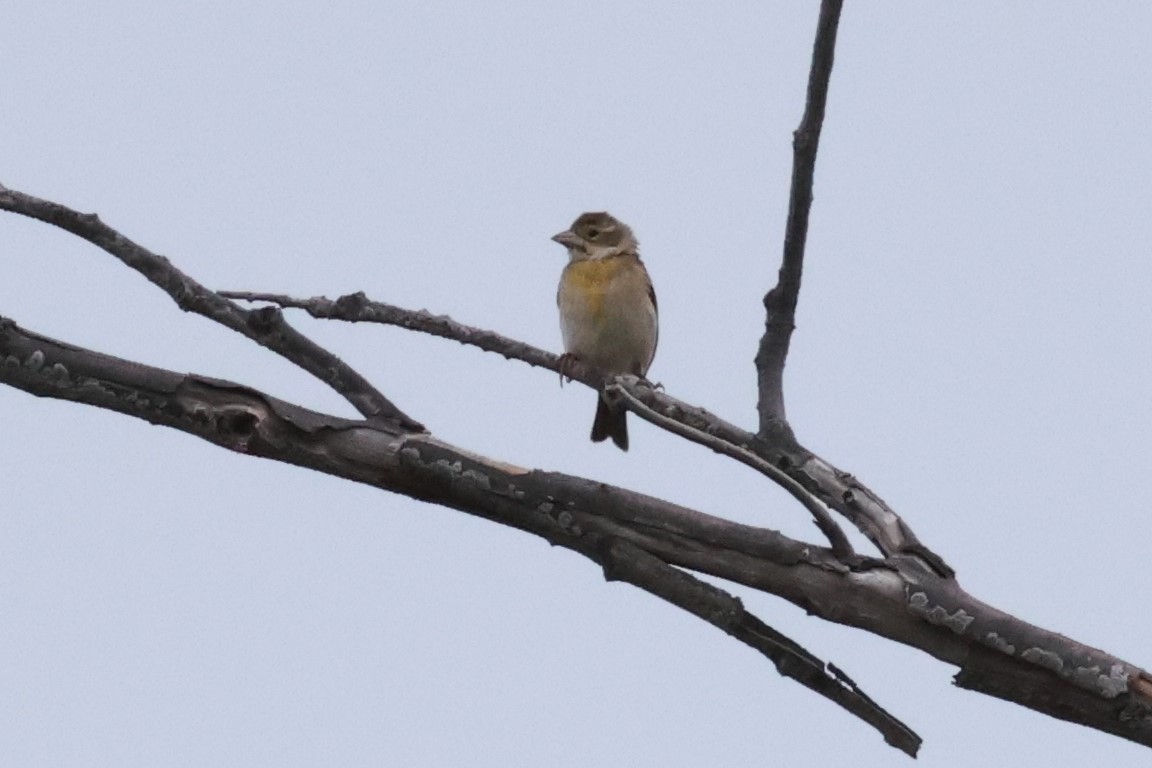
{"x": 588, "y": 281}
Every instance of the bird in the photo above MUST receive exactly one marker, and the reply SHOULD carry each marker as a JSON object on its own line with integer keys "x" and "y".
{"x": 608, "y": 312}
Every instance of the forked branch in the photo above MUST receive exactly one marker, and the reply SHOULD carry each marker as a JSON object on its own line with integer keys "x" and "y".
{"x": 264, "y": 326}
{"x": 909, "y": 595}
{"x": 779, "y": 456}
{"x": 635, "y": 538}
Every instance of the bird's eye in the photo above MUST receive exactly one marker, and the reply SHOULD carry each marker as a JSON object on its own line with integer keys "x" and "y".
{"x": 593, "y": 233}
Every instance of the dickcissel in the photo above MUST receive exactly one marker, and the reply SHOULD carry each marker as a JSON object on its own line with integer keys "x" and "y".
{"x": 607, "y": 309}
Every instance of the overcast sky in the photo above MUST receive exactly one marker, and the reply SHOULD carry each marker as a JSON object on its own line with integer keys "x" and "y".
{"x": 973, "y": 341}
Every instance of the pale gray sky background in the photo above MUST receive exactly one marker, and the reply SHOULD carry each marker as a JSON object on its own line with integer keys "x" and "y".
{"x": 973, "y": 343}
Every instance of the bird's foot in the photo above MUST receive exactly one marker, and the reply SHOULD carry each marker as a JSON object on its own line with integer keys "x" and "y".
{"x": 566, "y": 362}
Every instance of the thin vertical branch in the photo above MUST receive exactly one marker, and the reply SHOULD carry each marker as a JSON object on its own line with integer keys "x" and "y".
{"x": 780, "y": 302}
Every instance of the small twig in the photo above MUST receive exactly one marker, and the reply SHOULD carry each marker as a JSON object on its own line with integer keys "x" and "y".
{"x": 624, "y": 561}
{"x": 841, "y": 547}
{"x": 264, "y": 326}
{"x": 780, "y": 302}
{"x": 358, "y": 308}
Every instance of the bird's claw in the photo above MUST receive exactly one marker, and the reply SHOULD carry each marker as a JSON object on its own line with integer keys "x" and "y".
{"x": 657, "y": 386}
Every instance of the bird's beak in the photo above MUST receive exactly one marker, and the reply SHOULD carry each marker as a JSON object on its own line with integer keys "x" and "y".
{"x": 568, "y": 238}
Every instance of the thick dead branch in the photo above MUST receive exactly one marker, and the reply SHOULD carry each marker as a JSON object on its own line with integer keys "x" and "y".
{"x": 565, "y": 510}
{"x": 895, "y": 598}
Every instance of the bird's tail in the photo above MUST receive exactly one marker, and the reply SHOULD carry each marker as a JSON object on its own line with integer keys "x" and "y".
{"x": 610, "y": 423}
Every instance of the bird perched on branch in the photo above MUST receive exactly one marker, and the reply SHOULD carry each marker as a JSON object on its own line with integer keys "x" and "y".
{"x": 607, "y": 309}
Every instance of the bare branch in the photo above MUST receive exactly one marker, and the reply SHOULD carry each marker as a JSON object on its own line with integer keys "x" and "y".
{"x": 553, "y": 506}
{"x": 830, "y": 486}
{"x": 358, "y": 308}
{"x": 910, "y": 596}
{"x": 627, "y": 562}
{"x": 264, "y": 326}
{"x": 841, "y": 547}
{"x": 895, "y": 598}
{"x": 780, "y": 302}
